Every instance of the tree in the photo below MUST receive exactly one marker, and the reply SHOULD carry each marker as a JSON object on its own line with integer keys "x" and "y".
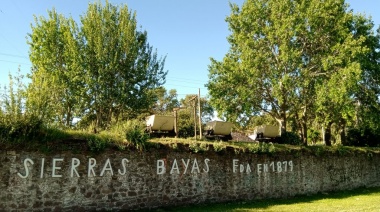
{"x": 368, "y": 88}
{"x": 186, "y": 115}
{"x": 103, "y": 70}
{"x": 55, "y": 86}
{"x": 122, "y": 70}
{"x": 281, "y": 53}
{"x": 166, "y": 101}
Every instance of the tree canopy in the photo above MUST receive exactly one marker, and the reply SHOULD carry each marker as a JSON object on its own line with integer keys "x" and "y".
{"x": 99, "y": 70}
{"x": 291, "y": 59}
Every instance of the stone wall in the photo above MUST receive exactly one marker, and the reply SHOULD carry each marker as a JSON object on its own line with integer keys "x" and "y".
{"x": 125, "y": 180}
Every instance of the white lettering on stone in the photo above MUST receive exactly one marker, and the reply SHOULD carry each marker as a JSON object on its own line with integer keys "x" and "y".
{"x": 265, "y": 167}
{"x": 42, "y": 167}
{"x": 91, "y": 166}
{"x": 123, "y": 163}
{"x": 26, "y": 161}
{"x": 174, "y": 167}
{"x": 285, "y": 163}
{"x": 206, "y": 164}
{"x": 272, "y": 165}
{"x": 55, "y": 167}
{"x": 195, "y": 167}
{"x": 161, "y": 167}
{"x": 259, "y": 168}
{"x": 279, "y": 167}
{"x": 290, "y": 163}
{"x": 241, "y": 168}
{"x": 107, "y": 167}
{"x": 186, "y": 164}
{"x": 248, "y": 170}
{"x": 75, "y": 162}
{"x": 234, "y": 165}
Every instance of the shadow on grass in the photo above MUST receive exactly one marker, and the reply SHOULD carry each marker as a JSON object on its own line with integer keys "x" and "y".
{"x": 265, "y": 204}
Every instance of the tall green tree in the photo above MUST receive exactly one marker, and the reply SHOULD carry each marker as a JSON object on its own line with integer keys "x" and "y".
{"x": 281, "y": 53}
{"x": 368, "y": 89}
{"x": 121, "y": 68}
{"x": 102, "y": 70}
{"x": 56, "y": 69}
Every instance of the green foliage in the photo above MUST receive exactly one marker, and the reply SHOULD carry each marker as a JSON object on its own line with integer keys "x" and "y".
{"x": 368, "y": 89}
{"x": 219, "y": 146}
{"x": 15, "y": 124}
{"x": 101, "y": 70}
{"x": 362, "y": 137}
{"x": 198, "y": 147}
{"x": 185, "y": 124}
{"x": 20, "y": 129}
{"x": 166, "y": 101}
{"x": 55, "y": 89}
{"x": 284, "y": 61}
{"x": 186, "y": 115}
{"x": 96, "y": 143}
{"x": 261, "y": 147}
{"x": 135, "y": 133}
{"x": 313, "y": 135}
{"x": 289, "y": 138}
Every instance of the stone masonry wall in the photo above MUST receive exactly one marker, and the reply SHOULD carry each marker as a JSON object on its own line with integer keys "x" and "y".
{"x": 126, "y": 180}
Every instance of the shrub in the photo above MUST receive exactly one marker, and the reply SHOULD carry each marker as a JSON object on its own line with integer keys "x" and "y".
{"x": 21, "y": 128}
{"x": 135, "y": 133}
{"x": 219, "y": 146}
{"x": 289, "y": 138}
{"x": 198, "y": 147}
{"x": 261, "y": 147}
{"x": 96, "y": 144}
{"x": 362, "y": 137}
{"x": 313, "y": 135}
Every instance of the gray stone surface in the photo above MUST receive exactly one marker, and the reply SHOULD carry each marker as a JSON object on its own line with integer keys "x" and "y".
{"x": 189, "y": 178}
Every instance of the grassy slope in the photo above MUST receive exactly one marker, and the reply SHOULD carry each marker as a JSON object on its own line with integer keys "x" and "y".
{"x": 363, "y": 199}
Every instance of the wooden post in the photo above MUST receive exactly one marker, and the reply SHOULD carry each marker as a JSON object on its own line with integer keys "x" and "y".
{"x": 176, "y": 120}
{"x": 192, "y": 100}
{"x": 200, "y": 114}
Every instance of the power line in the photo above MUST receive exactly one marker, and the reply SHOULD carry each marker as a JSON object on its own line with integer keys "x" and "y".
{"x": 13, "y": 55}
{"x": 187, "y": 79}
{"x": 7, "y": 61}
{"x": 182, "y": 86}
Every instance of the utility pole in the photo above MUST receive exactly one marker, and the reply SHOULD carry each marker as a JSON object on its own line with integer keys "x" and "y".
{"x": 195, "y": 115}
{"x": 200, "y": 114}
{"x": 176, "y": 120}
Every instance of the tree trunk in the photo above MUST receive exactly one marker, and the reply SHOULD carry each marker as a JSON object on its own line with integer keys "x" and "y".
{"x": 68, "y": 116}
{"x": 282, "y": 122}
{"x": 304, "y": 132}
{"x": 304, "y": 126}
{"x": 328, "y": 134}
{"x": 342, "y": 131}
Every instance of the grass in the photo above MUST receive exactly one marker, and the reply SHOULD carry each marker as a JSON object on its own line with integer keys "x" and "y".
{"x": 362, "y": 199}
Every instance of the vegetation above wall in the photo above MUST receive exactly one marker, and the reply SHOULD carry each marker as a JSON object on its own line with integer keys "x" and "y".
{"x": 52, "y": 140}
{"x": 83, "y": 88}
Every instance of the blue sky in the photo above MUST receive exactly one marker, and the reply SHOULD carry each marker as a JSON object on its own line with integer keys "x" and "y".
{"x": 188, "y": 32}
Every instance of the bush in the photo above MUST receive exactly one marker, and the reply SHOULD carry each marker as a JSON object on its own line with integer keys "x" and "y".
{"x": 261, "y": 147}
{"x": 362, "y": 137}
{"x": 135, "y": 133}
{"x": 313, "y": 135}
{"x": 22, "y": 128}
{"x": 289, "y": 138}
